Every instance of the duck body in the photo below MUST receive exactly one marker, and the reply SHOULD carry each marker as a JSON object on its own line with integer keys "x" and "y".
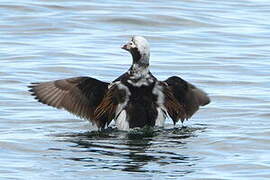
{"x": 135, "y": 99}
{"x": 141, "y": 106}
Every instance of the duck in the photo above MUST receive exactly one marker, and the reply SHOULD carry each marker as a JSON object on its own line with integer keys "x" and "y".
{"x": 133, "y": 100}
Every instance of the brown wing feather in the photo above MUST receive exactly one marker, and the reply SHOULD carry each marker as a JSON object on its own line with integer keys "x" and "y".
{"x": 108, "y": 105}
{"x": 106, "y": 108}
{"x": 175, "y": 110}
{"x": 79, "y": 95}
{"x": 186, "y": 94}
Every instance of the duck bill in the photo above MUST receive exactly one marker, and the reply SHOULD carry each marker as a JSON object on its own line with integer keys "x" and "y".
{"x": 126, "y": 47}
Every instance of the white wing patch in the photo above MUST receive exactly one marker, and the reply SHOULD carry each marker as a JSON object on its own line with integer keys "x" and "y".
{"x": 121, "y": 114}
{"x": 160, "y": 118}
{"x": 162, "y": 111}
{"x": 157, "y": 90}
{"x": 122, "y": 121}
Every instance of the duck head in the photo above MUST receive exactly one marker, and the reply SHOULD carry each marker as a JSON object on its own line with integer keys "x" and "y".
{"x": 139, "y": 49}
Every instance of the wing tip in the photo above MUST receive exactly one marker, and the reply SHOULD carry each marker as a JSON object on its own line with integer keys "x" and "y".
{"x": 207, "y": 101}
{"x": 32, "y": 85}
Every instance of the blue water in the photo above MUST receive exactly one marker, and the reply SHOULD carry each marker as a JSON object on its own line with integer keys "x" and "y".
{"x": 222, "y": 47}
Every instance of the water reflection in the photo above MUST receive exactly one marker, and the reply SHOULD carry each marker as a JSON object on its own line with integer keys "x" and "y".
{"x": 134, "y": 151}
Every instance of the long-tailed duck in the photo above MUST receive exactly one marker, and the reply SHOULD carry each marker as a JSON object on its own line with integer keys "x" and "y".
{"x": 135, "y": 99}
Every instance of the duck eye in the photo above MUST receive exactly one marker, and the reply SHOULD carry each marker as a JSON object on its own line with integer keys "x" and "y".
{"x": 131, "y": 43}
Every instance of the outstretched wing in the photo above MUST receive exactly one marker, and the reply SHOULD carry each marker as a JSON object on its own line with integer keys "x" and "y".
{"x": 187, "y": 95}
{"x": 79, "y": 95}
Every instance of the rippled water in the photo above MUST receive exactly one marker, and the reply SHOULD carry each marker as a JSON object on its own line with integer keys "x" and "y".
{"x": 222, "y": 47}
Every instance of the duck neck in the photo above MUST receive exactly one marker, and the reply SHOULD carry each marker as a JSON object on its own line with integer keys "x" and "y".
{"x": 139, "y": 70}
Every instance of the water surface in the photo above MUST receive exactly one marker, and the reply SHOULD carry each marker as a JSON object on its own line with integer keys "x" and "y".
{"x": 222, "y": 47}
